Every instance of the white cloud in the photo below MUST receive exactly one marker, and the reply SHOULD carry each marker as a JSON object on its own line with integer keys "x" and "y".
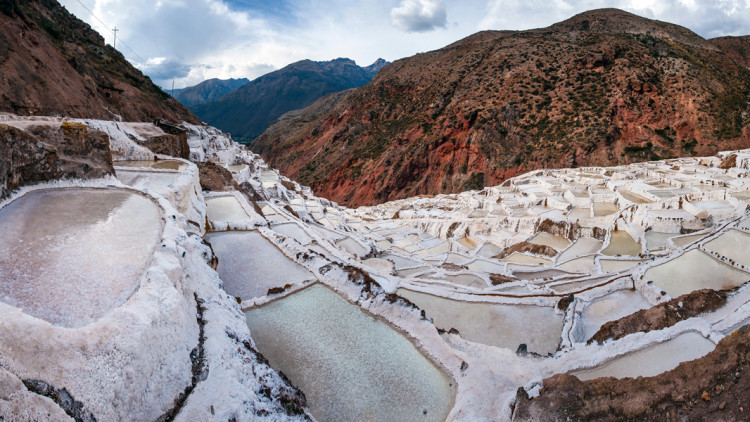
{"x": 419, "y": 15}
{"x": 193, "y": 40}
{"x": 708, "y": 18}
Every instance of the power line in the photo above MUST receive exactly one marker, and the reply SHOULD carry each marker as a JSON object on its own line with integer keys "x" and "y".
{"x": 114, "y": 31}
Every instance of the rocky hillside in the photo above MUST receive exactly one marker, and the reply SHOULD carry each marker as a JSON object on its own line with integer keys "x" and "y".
{"x": 604, "y": 87}
{"x": 248, "y": 111}
{"x": 54, "y": 64}
{"x": 208, "y": 91}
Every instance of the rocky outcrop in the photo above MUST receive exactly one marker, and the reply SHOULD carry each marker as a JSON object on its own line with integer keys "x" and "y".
{"x": 215, "y": 177}
{"x": 173, "y": 142}
{"x": 603, "y": 88}
{"x": 714, "y": 387}
{"x": 54, "y": 64}
{"x": 662, "y": 315}
{"x": 48, "y": 152}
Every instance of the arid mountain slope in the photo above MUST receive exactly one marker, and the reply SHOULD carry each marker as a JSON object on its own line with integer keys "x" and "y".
{"x": 248, "y": 111}
{"x": 51, "y": 63}
{"x": 738, "y": 48}
{"x": 604, "y": 87}
{"x": 208, "y": 90}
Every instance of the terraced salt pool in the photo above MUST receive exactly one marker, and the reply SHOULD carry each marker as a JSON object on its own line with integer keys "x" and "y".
{"x": 608, "y": 308}
{"x": 695, "y": 270}
{"x": 69, "y": 256}
{"x": 154, "y": 164}
{"x": 657, "y": 240}
{"x": 621, "y": 243}
{"x": 733, "y": 244}
{"x": 616, "y": 265}
{"x": 225, "y": 208}
{"x": 498, "y": 325}
{"x": 652, "y": 360}
{"x": 522, "y": 258}
{"x": 249, "y": 264}
{"x": 351, "y": 366}
{"x": 557, "y": 243}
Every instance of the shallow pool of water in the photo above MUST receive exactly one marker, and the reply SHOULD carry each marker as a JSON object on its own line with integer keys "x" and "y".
{"x": 294, "y": 231}
{"x": 652, "y": 360}
{"x": 733, "y": 244}
{"x": 225, "y": 208}
{"x": 686, "y": 240}
{"x": 582, "y": 246}
{"x": 351, "y": 366}
{"x": 638, "y": 199}
{"x": 493, "y": 324}
{"x": 249, "y": 264}
{"x": 469, "y": 280}
{"x": 68, "y": 256}
{"x": 555, "y": 242}
{"x": 621, "y": 243}
{"x": 695, "y": 270}
{"x": 608, "y": 308}
{"x": 160, "y": 164}
{"x": 605, "y": 208}
{"x": 522, "y": 258}
{"x": 616, "y": 265}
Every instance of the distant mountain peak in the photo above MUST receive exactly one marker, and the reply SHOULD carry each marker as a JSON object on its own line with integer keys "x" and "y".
{"x": 248, "y": 111}
{"x": 377, "y": 65}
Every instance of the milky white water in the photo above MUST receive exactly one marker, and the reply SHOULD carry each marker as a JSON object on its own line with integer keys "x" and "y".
{"x": 695, "y": 270}
{"x": 350, "y": 365}
{"x": 70, "y": 255}
{"x": 608, "y": 308}
{"x": 733, "y": 244}
{"x": 621, "y": 243}
{"x": 249, "y": 264}
{"x": 225, "y": 208}
{"x": 652, "y": 360}
{"x": 493, "y": 324}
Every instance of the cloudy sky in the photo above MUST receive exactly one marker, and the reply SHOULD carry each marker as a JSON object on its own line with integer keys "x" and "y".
{"x": 189, "y": 41}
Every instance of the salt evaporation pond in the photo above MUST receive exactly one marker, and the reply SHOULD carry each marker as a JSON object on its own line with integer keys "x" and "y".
{"x": 621, "y": 243}
{"x": 657, "y": 240}
{"x": 158, "y": 164}
{"x": 68, "y": 256}
{"x": 608, "y": 308}
{"x": 249, "y": 264}
{"x": 582, "y": 246}
{"x": 555, "y": 242}
{"x": 733, "y": 244}
{"x": 225, "y": 208}
{"x": 616, "y": 265}
{"x": 498, "y": 325}
{"x": 351, "y": 366}
{"x": 294, "y": 231}
{"x": 695, "y": 270}
{"x": 652, "y": 360}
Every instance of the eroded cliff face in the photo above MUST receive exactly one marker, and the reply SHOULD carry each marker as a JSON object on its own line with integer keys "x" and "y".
{"x": 44, "y": 152}
{"x": 605, "y": 87}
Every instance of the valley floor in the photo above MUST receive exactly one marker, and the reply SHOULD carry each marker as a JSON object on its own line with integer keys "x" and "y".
{"x": 147, "y": 296}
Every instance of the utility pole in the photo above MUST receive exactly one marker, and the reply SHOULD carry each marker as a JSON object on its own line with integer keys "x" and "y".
{"x": 172, "y": 88}
{"x": 114, "y": 31}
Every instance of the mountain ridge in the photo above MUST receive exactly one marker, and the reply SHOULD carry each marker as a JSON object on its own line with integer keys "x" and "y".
{"x": 247, "y": 111}
{"x": 208, "y": 91}
{"x": 499, "y": 103}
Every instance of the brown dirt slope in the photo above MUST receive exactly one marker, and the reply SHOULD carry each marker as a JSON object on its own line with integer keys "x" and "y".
{"x": 715, "y": 387}
{"x": 662, "y": 315}
{"x": 51, "y": 63}
{"x": 604, "y": 87}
